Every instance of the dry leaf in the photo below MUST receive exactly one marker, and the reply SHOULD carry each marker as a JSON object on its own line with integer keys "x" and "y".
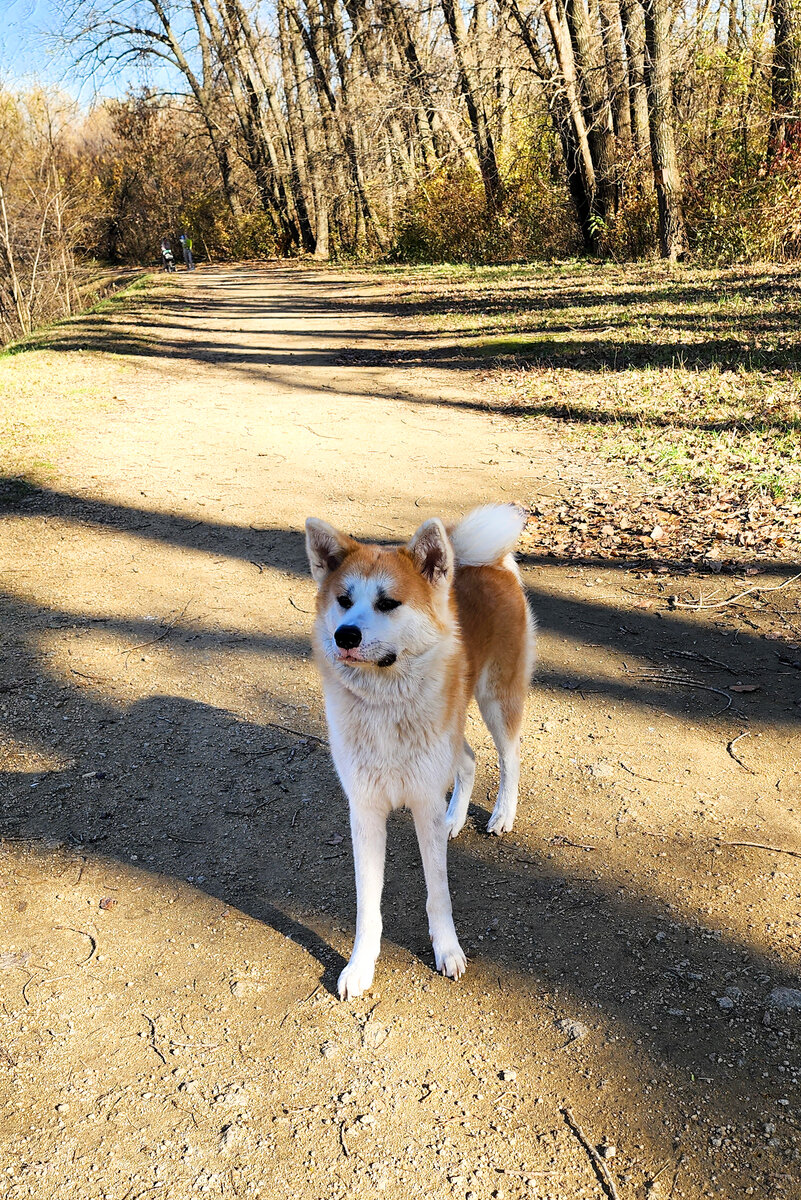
{"x": 744, "y": 687}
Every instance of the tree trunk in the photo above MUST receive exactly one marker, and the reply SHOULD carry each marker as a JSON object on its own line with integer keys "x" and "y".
{"x": 667, "y": 181}
{"x": 469, "y": 84}
{"x": 568, "y": 120}
{"x": 298, "y": 95}
{"x": 318, "y": 53}
{"x": 594, "y": 91}
{"x": 612, "y": 34}
{"x": 785, "y": 83}
{"x": 631, "y": 15}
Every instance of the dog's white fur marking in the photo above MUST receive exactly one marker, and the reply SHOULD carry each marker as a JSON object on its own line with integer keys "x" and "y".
{"x": 403, "y": 637}
{"x": 487, "y": 534}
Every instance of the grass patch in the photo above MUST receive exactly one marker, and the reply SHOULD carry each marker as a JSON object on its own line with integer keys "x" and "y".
{"x": 114, "y": 301}
{"x": 48, "y": 397}
{"x": 690, "y": 376}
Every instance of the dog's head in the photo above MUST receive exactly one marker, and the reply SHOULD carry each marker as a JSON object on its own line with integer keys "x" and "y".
{"x": 379, "y": 609}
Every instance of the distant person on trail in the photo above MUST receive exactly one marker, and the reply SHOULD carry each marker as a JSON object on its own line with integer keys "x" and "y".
{"x": 167, "y": 256}
{"x": 186, "y": 246}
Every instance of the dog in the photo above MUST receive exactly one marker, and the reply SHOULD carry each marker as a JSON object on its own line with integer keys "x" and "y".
{"x": 403, "y": 637}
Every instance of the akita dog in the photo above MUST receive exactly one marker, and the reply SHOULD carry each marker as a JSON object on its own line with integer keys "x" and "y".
{"x": 404, "y": 637}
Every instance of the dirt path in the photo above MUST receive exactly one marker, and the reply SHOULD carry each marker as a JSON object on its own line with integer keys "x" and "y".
{"x": 175, "y": 874}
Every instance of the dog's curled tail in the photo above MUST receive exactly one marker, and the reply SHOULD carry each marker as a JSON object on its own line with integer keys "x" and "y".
{"x": 487, "y": 535}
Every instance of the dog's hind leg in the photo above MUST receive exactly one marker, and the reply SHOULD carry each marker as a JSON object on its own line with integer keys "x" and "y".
{"x": 432, "y": 836}
{"x": 462, "y": 791}
{"x": 503, "y": 714}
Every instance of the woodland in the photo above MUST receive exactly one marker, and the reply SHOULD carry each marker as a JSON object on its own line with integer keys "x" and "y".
{"x": 490, "y": 131}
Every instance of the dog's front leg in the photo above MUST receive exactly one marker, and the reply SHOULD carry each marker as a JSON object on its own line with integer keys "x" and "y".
{"x": 368, "y": 828}
{"x": 432, "y": 835}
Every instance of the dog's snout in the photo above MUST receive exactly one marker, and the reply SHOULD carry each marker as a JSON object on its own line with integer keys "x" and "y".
{"x": 347, "y": 637}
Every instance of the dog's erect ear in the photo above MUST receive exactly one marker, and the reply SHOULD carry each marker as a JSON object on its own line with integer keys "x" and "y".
{"x": 326, "y": 548}
{"x": 432, "y": 552}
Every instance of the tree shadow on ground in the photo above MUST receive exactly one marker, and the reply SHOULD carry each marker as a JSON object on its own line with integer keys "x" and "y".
{"x": 585, "y": 619}
{"x": 189, "y": 791}
{"x": 723, "y": 347}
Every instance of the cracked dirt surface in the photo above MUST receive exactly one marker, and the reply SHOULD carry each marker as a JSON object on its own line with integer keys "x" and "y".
{"x": 175, "y": 875}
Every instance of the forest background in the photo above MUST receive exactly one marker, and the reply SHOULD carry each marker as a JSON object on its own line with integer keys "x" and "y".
{"x": 414, "y": 130}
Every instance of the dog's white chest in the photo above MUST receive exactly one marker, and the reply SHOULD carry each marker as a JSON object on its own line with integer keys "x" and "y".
{"x": 397, "y": 754}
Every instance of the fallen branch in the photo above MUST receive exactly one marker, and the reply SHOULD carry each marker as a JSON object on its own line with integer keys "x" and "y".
{"x": 297, "y": 732}
{"x": 697, "y": 606}
{"x": 559, "y": 839}
{"x": 650, "y": 778}
{"x": 606, "y": 1180}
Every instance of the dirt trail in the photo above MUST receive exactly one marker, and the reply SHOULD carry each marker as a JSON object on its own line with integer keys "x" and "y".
{"x": 175, "y": 874}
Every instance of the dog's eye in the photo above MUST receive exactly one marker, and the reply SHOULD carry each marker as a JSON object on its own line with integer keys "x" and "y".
{"x": 344, "y": 602}
{"x": 386, "y": 604}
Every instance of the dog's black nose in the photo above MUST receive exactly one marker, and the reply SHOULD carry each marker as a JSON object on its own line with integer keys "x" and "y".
{"x": 347, "y": 637}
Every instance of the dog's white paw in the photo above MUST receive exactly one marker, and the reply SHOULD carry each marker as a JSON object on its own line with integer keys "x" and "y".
{"x": 355, "y": 979}
{"x": 454, "y": 822}
{"x": 501, "y": 821}
{"x": 450, "y": 959}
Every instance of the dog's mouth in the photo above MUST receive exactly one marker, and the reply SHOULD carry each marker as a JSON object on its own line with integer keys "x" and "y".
{"x": 356, "y": 658}
{"x": 349, "y": 656}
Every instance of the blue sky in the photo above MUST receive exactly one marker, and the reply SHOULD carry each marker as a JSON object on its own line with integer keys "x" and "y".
{"x": 27, "y": 53}
{"x": 24, "y": 25}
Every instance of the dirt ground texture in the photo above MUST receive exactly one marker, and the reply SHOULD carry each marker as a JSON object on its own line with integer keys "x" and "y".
{"x": 175, "y": 875}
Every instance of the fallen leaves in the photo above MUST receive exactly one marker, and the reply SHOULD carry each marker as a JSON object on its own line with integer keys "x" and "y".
{"x": 682, "y": 525}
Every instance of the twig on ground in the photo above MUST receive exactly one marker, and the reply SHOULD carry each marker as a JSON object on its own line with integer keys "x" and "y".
{"x": 167, "y": 629}
{"x": 332, "y": 437}
{"x": 26, "y": 985}
{"x": 81, "y": 675}
{"x": 606, "y": 1180}
{"x": 83, "y": 933}
{"x": 307, "y": 611}
{"x": 679, "y": 681}
{"x": 152, "y": 1043}
{"x": 731, "y": 753}
{"x": 676, "y": 1176}
{"x": 710, "y": 662}
{"x": 762, "y": 846}
{"x": 345, "y": 1149}
{"x": 297, "y": 732}
{"x": 650, "y": 778}
{"x": 522, "y": 1174}
{"x": 696, "y": 606}
{"x": 559, "y": 839}
{"x": 313, "y": 992}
